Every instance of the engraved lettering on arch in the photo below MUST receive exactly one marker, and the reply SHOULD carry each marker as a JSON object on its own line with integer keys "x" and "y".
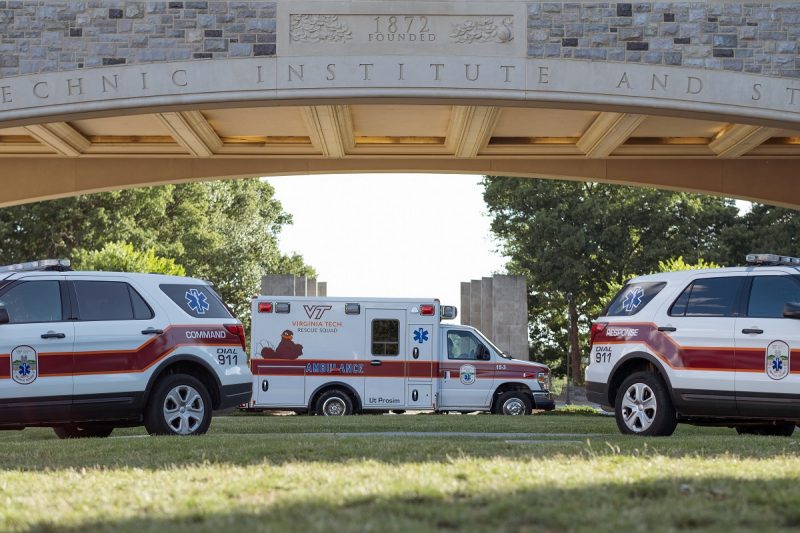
{"x": 41, "y": 89}
{"x": 180, "y": 78}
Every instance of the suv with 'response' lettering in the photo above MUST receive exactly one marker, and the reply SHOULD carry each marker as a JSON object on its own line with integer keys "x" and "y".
{"x": 85, "y": 352}
{"x": 705, "y": 347}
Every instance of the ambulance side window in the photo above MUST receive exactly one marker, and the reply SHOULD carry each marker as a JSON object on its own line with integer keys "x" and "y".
{"x": 385, "y": 337}
{"x": 463, "y": 345}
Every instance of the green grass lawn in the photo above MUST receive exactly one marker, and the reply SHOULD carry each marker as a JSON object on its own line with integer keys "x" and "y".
{"x": 277, "y": 473}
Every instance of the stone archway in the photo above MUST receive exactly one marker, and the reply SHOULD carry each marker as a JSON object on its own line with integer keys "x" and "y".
{"x": 671, "y": 95}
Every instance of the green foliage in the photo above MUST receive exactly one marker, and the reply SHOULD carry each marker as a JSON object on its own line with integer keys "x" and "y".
{"x": 587, "y": 239}
{"x": 122, "y": 257}
{"x": 225, "y": 232}
{"x": 677, "y": 264}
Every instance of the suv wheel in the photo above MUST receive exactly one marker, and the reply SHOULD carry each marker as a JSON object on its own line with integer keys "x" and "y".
{"x": 179, "y": 405}
{"x": 334, "y": 402}
{"x": 513, "y": 403}
{"x": 784, "y": 429}
{"x": 643, "y": 406}
{"x": 74, "y": 431}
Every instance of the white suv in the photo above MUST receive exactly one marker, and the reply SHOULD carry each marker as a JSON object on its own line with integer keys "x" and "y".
{"x": 708, "y": 347}
{"x": 85, "y": 352}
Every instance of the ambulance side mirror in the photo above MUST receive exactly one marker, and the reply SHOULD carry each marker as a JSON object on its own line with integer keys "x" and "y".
{"x": 4, "y": 318}
{"x": 791, "y": 310}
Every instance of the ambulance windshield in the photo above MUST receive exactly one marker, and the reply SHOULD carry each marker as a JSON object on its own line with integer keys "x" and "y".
{"x": 497, "y": 350}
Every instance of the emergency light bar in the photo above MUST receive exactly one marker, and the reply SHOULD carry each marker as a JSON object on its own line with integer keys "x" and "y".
{"x": 772, "y": 259}
{"x": 43, "y": 264}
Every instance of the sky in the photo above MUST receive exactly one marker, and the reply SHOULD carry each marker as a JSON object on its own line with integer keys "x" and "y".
{"x": 390, "y": 235}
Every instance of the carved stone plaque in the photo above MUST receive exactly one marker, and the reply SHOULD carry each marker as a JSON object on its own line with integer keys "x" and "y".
{"x": 400, "y": 27}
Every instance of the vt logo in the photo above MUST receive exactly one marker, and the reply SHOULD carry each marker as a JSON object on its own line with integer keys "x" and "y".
{"x": 315, "y": 312}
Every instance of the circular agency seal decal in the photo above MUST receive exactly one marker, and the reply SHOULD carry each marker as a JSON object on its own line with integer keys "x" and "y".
{"x": 778, "y": 359}
{"x": 24, "y": 365}
{"x": 467, "y": 374}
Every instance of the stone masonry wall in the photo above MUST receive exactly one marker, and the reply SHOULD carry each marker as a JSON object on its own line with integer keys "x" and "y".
{"x": 46, "y": 36}
{"x": 756, "y": 37}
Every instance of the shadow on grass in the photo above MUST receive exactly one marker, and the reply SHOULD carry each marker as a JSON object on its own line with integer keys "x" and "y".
{"x": 156, "y": 453}
{"x": 665, "y": 504}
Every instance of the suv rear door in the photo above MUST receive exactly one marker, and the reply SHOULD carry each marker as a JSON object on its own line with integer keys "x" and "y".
{"x": 767, "y": 380}
{"x": 116, "y": 338}
{"x": 699, "y": 325}
{"x": 36, "y": 351}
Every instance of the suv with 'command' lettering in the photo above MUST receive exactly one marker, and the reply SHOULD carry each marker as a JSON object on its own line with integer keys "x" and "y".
{"x": 85, "y": 352}
{"x": 709, "y": 347}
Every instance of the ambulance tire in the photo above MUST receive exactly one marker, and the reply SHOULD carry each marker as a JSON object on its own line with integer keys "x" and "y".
{"x": 513, "y": 403}
{"x": 647, "y": 391}
{"x": 74, "y": 431}
{"x": 163, "y": 415}
{"x": 785, "y": 429}
{"x": 334, "y": 402}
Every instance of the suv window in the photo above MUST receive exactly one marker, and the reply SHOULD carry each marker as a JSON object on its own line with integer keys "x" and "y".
{"x": 109, "y": 300}
{"x": 463, "y": 345}
{"x": 632, "y": 298}
{"x": 33, "y": 301}
{"x": 709, "y": 297}
{"x": 198, "y": 301}
{"x": 385, "y": 337}
{"x": 769, "y": 294}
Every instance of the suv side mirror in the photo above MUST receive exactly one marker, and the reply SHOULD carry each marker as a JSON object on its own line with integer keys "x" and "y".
{"x": 4, "y": 318}
{"x": 791, "y": 310}
{"x": 483, "y": 353}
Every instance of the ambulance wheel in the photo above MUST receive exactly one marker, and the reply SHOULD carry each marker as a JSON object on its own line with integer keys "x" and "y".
{"x": 779, "y": 430}
{"x": 334, "y": 402}
{"x": 179, "y": 405}
{"x": 513, "y": 404}
{"x": 73, "y": 431}
{"x": 643, "y": 406}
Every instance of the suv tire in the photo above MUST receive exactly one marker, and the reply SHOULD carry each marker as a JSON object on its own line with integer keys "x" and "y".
{"x": 73, "y": 431}
{"x": 179, "y": 405}
{"x": 643, "y": 406}
{"x": 513, "y": 404}
{"x": 784, "y": 429}
{"x": 334, "y": 402}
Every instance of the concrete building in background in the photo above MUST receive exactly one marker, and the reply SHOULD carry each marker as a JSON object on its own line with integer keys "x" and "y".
{"x": 498, "y": 307}
{"x": 291, "y": 285}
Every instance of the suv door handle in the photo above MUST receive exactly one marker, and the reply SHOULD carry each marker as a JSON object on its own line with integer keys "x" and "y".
{"x": 376, "y": 362}
{"x": 753, "y": 330}
{"x": 152, "y": 331}
{"x": 667, "y": 328}
{"x": 53, "y": 335}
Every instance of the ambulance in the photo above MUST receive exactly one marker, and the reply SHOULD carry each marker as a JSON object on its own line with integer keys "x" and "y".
{"x": 339, "y": 356}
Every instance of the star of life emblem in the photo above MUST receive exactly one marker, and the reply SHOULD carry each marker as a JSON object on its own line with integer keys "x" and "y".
{"x": 778, "y": 360}
{"x": 467, "y": 374}
{"x": 24, "y": 365}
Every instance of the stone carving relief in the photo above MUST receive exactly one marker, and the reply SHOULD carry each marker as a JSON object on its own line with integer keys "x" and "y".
{"x": 483, "y": 31}
{"x": 319, "y": 28}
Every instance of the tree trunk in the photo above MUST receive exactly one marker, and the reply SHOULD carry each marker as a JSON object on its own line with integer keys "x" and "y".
{"x": 574, "y": 346}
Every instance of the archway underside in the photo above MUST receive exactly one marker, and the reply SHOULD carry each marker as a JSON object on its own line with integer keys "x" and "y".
{"x": 91, "y": 153}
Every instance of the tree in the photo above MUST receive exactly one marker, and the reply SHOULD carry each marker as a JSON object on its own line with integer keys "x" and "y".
{"x": 122, "y": 257}
{"x": 225, "y": 232}
{"x": 574, "y": 238}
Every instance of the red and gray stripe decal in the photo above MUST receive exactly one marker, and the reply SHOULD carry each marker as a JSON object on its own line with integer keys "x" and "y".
{"x": 387, "y": 369}
{"x": 125, "y": 361}
{"x": 717, "y": 359}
